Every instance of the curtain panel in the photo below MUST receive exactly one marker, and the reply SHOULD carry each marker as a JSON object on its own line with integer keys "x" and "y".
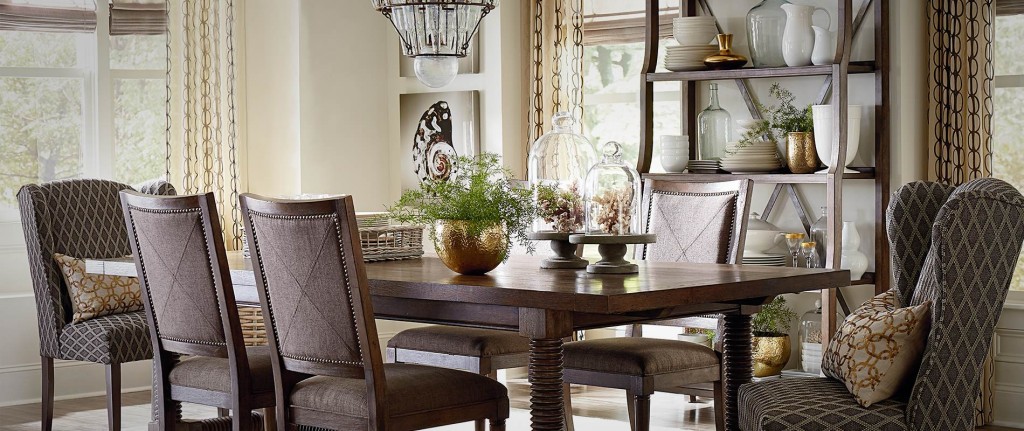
{"x": 202, "y": 130}
{"x": 58, "y": 16}
{"x": 960, "y": 109}
{"x": 555, "y": 60}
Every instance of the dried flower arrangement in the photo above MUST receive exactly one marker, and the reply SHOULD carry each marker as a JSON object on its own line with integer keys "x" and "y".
{"x": 562, "y": 208}
{"x": 615, "y": 210}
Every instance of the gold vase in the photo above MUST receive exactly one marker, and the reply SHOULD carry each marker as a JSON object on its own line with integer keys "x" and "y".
{"x": 770, "y": 355}
{"x": 801, "y": 156}
{"x": 725, "y": 59}
{"x": 469, "y": 254}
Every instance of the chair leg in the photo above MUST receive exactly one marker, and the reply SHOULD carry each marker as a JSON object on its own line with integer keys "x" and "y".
{"x": 691, "y": 399}
{"x": 481, "y": 424}
{"x": 642, "y": 411}
{"x": 270, "y": 419}
{"x": 497, "y": 424}
{"x": 719, "y": 406}
{"x": 223, "y": 413}
{"x": 47, "y": 393}
{"x": 567, "y": 406}
{"x": 241, "y": 418}
{"x": 114, "y": 397}
{"x": 631, "y": 410}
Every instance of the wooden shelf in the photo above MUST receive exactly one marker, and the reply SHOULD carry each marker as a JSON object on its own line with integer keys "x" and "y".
{"x": 867, "y": 278}
{"x": 750, "y": 72}
{"x": 864, "y": 174}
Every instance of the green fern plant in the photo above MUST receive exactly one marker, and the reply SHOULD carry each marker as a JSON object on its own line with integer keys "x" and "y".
{"x": 774, "y": 319}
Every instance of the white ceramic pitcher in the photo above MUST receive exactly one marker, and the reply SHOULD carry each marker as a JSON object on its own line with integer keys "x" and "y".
{"x": 798, "y": 37}
{"x": 824, "y": 46}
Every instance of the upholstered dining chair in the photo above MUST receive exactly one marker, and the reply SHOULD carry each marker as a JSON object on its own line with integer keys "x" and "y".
{"x": 200, "y": 356}
{"x": 954, "y": 247}
{"x": 80, "y": 218}
{"x": 327, "y": 362}
{"x": 695, "y": 222}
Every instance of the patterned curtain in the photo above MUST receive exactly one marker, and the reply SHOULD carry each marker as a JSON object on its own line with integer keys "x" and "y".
{"x": 556, "y": 63}
{"x": 960, "y": 112}
{"x": 960, "y": 89}
{"x": 202, "y": 132}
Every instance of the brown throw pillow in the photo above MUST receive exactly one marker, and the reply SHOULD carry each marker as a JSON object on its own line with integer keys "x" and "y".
{"x": 877, "y": 347}
{"x": 95, "y": 295}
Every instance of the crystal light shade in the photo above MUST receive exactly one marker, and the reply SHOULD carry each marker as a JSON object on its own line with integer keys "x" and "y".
{"x": 434, "y": 29}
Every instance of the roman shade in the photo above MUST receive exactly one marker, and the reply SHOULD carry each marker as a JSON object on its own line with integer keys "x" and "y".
{"x": 60, "y": 16}
{"x": 620, "y": 28}
{"x": 146, "y": 17}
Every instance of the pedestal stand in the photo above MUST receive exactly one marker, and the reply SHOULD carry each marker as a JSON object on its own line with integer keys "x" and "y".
{"x": 613, "y": 251}
{"x": 565, "y": 252}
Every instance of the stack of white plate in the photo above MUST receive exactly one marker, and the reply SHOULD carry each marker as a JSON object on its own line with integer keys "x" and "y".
{"x": 758, "y": 157}
{"x": 694, "y": 35}
{"x": 761, "y": 259}
{"x": 703, "y": 166}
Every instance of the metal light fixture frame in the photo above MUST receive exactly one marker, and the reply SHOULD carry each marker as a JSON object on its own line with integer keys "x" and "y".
{"x": 386, "y": 7}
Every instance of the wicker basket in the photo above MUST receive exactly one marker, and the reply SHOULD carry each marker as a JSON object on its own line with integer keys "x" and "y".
{"x": 391, "y": 242}
{"x": 254, "y": 332}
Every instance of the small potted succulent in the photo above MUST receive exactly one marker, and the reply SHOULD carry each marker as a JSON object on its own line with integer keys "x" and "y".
{"x": 771, "y": 344}
{"x": 474, "y": 215}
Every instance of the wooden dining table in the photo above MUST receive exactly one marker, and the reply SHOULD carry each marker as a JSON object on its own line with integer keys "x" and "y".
{"x": 548, "y": 305}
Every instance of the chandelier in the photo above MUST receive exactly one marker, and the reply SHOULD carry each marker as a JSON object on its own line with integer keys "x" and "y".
{"x": 436, "y": 33}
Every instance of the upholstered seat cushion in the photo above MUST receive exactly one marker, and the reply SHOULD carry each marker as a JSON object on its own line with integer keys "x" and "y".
{"x": 411, "y": 389}
{"x": 455, "y": 340}
{"x": 813, "y": 404}
{"x": 643, "y": 357}
{"x": 116, "y": 338}
{"x": 214, "y": 374}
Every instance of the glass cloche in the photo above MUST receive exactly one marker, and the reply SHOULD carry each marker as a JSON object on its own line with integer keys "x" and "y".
{"x": 558, "y": 164}
{"x": 613, "y": 195}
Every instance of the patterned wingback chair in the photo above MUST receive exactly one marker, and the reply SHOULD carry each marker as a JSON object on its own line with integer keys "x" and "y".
{"x": 955, "y": 247}
{"x": 80, "y": 218}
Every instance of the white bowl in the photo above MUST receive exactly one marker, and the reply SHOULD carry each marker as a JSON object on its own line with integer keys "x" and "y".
{"x": 674, "y": 163}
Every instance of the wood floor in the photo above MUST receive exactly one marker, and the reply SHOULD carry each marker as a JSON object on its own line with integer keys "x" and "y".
{"x": 594, "y": 409}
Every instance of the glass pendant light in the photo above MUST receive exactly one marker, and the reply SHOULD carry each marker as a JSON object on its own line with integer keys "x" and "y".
{"x": 435, "y": 32}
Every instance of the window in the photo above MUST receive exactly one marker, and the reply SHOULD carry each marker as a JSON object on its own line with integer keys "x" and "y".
{"x": 76, "y": 104}
{"x": 1008, "y": 115}
{"x": 613, "y": 60}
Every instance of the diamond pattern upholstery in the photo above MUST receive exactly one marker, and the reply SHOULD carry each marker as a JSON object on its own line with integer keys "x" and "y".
{"x": 963, "y": 263}
{"x": 80, "y": 218}
{"x": 113, "y": 339}
{"x": 813, "y": 404}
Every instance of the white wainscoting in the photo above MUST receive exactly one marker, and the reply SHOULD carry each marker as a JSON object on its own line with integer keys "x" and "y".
{"x": 1009, "y": 373}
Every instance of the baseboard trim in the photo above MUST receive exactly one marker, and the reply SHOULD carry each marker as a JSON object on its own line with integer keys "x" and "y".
{"x": 74, "y": 396}
{"x": 1008, "y": 424}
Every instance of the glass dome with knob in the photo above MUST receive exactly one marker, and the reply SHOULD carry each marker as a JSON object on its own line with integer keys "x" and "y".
{"x": 557, "y": 166}
{"x": 613, "y": 195}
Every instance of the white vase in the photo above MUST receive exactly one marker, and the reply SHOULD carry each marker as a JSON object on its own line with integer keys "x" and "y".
{"x": 824, "y": 51}
{"x": 852, "y": 259}
{"x": 798, "y": 37}
{"x": 824, "y": 138}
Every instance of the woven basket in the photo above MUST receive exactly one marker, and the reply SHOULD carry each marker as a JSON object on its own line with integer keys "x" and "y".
{"x": 254, "y": 332}
{"x": 391, "y": 242}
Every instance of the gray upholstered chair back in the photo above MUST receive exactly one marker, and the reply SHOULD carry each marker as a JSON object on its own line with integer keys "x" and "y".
{"x": 313, "y": 284}
{"x": 695, "y": 222}
{"x": 957, "y": 248}
{"x": 79, "y": 218}
{"x": 187, "y": 291}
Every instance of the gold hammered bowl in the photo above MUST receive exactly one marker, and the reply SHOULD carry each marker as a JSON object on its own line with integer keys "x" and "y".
{"x": 469, "y": 254}
{"x": 770, "y": 355}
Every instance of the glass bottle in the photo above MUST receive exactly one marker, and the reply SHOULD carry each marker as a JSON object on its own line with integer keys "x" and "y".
{"x": 810, "y": 254}
{"x": 810, "y": 340}
{"x": 766, "y": 23}
{"x": 559, "y": 161}
{"x": 713, "y": 125}
{"x": 819, "y": 234}
{"x": 612, "y": 195}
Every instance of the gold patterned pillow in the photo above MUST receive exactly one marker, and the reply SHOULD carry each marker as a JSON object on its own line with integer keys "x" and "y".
{"x": 877, "y": 347}
{"x": 95, "y": 295}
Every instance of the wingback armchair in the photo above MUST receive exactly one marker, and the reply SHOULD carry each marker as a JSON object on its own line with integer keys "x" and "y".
{"x": 80, "y": 218}
{"x": 955, "y": 247}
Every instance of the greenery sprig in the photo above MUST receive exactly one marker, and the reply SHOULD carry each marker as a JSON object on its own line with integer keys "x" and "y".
{"x": 774, "y": 319}
{"x": 778, "y": 119}
{"x": 479, "y": 193}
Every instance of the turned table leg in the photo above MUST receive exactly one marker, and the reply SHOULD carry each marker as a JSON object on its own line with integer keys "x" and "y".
{"x": 546, "y": 329}
{"x": 736, "y": 363}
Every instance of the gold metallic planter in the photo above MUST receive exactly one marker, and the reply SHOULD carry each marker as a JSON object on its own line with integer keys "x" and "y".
{"x": 770, "y": 355}
{"x": 469, "y": 254}
{"x": 801, "y": 156}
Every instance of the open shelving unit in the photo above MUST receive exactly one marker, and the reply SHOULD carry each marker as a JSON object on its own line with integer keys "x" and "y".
{"x": 834, "y": 91}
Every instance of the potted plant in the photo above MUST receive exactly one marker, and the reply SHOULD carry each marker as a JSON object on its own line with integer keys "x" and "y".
{"x": 798, "y": 126}
{"x": 474, "y": 215}
{"x": 771, "y": 344}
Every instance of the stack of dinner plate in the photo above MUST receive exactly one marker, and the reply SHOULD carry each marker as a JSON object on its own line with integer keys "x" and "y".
{"x": 757, "y": 157}
{"x": 703, "y": 166}
{"x": 761, "y": 259}
{"x": 694, "y": 35}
